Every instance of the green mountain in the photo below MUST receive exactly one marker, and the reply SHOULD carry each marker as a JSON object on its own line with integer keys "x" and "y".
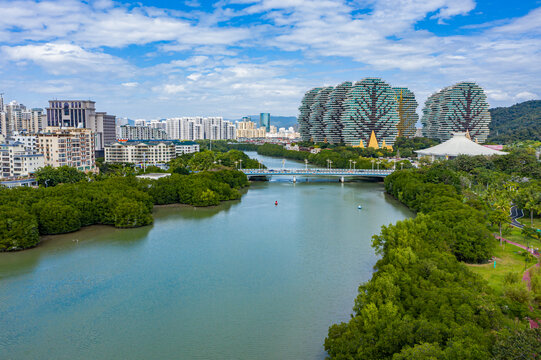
{"x": 514, "y": 123}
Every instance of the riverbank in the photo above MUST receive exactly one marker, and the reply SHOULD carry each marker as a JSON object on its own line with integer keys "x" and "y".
{"x": 121, "y": 201}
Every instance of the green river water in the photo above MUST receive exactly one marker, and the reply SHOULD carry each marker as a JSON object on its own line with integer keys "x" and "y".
{"x": 244, "y": 280}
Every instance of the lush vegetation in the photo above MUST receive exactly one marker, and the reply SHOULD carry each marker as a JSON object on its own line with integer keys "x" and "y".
{"x": 516, "y": 123}
{"x": 423, "y": 302}
{"x": 341, "y": 157}
{"x": 111, "y": 199}
{"x": 206, "y": 160}
{"x": 225, "y": 145}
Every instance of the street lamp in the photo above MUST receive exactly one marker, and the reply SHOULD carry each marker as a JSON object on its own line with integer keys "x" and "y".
{"x": 373, "y": 161}
{"x": 350, "y": 161}
{"x": 236, "y": 162}
{"x": 306, "y": 164}
{"x": 330, "y": 164}
{"x": 378, "y": 164}
{"x": 355, "y": 162}
{"x": 240, "y": 161}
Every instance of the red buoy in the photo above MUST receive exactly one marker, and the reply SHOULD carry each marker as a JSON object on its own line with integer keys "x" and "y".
{"x": 276, "y": 203}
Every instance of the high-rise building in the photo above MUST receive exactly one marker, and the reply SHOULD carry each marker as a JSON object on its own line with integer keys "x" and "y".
{"x": 265, "y": 121}
{"x": 128, "y": 132}
{"x": 249, "y": 129}
{"x": 82, "y": 114}
{"x": 317, "y": 112}
{"x": 3, "y": 123}
{"x": 140, "y": 122}
{"x": 458, "y": 108}
{"x": 68, "y": 146}
{"x": 371, "y": 106}
{"x": 407, "y": 111}
{"x": 197, "y": 127}
{"x": 304, "y": 115}
{"x": 351, "y": 113}
{"x": 14, "y": 117}
{"x": 335, "y": 108}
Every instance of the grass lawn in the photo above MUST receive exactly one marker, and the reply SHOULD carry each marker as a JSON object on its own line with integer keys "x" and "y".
{"x": 515, "y": 235}
{"x": 526, "y": 220}
{"x": 508, "y": 260}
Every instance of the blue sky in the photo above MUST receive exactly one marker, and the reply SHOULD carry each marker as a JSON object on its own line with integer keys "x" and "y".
{"x": 155, "y": 59}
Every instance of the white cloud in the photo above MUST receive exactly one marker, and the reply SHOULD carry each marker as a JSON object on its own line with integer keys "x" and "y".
{"x": 526, "y": 95}
{"x": 130, "y": 84}
{"x": 61, "y": 58}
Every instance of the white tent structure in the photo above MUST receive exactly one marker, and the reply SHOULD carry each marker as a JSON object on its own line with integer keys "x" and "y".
{"x": 459, "y": 144}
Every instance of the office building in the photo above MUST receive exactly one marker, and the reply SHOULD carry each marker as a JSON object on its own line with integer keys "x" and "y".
{"x": 72, "y": 147}
{"x": 16, "y": 161}
{"x": 265, "y": 121}
{"x": 82, "y": 114}
{"x": 462, "y": 107}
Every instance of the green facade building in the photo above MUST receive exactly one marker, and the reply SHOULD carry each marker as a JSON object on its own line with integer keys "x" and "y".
{"x": 458, "y": 108}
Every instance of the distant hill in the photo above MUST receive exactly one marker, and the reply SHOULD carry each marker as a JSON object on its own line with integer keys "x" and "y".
{"x": 514, "y": 123}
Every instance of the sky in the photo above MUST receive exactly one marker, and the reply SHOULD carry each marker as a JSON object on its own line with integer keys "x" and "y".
{"x": 230, "y": 58}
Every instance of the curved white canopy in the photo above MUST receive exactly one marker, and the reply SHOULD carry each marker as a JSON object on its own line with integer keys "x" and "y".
{"x": 459, "y": 144}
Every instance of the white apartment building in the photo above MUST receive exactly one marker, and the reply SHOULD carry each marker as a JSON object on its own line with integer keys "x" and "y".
{"x": 128, "y": 132}
{"x": 282, "y": 133}
{"x": 3, "y": 123}
{"x": 140, "y": 122}
{"x": 147, "y": 152}
{"x": 158, "y": 124}
{"x": 72, "y": 147}
{"x": 16, "y": 161}
{"x": 196, "y": 128}
{"x": 248, "y": 129}
{"x": 28, "y": 140}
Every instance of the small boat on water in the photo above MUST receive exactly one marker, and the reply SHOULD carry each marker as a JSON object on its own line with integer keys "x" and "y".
{"x": 359, "y": 207}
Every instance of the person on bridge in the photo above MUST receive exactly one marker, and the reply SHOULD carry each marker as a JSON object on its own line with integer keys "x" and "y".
{"x": 276, "y": 203}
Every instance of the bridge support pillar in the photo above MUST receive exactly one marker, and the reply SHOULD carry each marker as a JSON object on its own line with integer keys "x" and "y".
{"x": 294, "y": 179}
{"x": 341, "y": 179}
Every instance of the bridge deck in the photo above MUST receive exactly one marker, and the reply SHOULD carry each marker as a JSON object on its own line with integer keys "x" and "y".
{"x": 316, "y": 172}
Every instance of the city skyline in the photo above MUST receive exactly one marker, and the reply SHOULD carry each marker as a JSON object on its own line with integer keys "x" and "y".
{"x": 233, "y": 58}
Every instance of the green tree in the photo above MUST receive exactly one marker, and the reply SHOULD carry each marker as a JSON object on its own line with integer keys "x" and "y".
{"x": 49, "y": 176}
{"x": 56, "y": 217}
{"x": 18, "y": 228}
{"x": 130, "y": 213}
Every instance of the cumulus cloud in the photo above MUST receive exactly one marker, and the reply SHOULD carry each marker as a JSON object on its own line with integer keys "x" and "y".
{"x": 230, "y": 57}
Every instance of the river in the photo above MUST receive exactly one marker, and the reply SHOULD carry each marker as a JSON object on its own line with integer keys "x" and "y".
{"x": 243, "y": 280}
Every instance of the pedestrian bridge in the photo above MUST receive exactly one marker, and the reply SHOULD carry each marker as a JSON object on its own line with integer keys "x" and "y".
{"x": 340, "y": 173}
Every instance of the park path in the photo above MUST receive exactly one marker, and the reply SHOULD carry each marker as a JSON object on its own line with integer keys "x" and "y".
{"x": 526, "y": 277}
